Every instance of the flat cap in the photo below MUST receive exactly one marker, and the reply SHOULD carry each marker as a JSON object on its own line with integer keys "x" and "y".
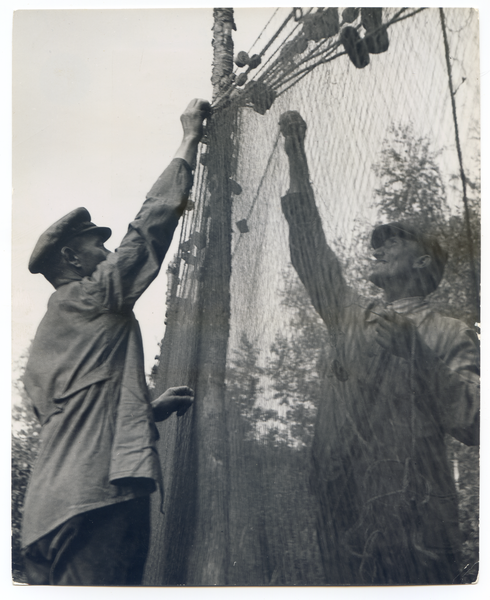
{"x": 75, "y": 223}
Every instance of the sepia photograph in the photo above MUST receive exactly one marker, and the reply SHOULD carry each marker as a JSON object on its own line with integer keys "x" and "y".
{"x": 246, "y": 254}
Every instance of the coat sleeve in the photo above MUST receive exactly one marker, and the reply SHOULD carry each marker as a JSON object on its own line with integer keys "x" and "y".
{"x": 315, "y": 262}
{"x": 121, "y": 279}
{"x": 449, "y": 367}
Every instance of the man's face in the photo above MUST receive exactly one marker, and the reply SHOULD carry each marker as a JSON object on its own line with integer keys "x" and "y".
{"x": 394, "y": 261}
{"x": 90, "y": 251}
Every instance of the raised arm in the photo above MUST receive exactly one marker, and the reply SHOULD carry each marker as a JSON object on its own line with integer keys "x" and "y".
{"x": 315, "y": 262}
{"x": 121, "y": 279}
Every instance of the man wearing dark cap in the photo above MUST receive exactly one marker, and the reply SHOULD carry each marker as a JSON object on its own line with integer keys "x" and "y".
{"x": 400, "y": 377}
{"x": 86, "y": 512}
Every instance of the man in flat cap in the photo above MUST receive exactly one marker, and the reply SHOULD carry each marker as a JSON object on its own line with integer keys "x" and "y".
{"x": 400, "y": 377}
{"x": 86, "y": 512}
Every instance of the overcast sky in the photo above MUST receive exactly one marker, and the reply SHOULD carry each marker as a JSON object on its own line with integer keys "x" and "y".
{"x": 97, "y": 97}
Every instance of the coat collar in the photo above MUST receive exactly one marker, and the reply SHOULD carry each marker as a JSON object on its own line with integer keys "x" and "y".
{"x": 408, "y": 305}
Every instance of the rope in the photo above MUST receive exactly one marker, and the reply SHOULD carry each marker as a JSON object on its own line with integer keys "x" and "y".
{"x": 275, "y": 77}
{"x": 265, "y": 27}
{"x": 334, "y": 46}
{"x": 263, "y": 74}
{"x": 232, "y": 86}
{"x": 307, "y": 70}
{"x": 274, "y": 37}
{"x": 460, "y": 158}
{"x": 413, "y": 340}
{"x": 372, "y": 490}
{"x": 258, "y": 190}
{"x": 297, "y": 75}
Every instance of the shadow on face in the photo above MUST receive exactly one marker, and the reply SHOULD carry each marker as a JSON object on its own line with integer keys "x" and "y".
{"x": 88, "y": 251}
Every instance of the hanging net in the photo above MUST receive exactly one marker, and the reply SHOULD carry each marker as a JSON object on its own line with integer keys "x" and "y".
{"x": 392, "y": 135}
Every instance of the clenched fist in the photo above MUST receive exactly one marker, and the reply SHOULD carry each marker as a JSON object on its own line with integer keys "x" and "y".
{"x": 193, "y": 117}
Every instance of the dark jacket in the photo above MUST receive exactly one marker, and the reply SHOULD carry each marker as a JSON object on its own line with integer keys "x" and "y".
{"x": 85, "y": 375}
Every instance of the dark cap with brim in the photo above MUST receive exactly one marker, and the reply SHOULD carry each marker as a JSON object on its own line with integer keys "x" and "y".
{"x": 407, "y": 231}
{"x": 75, "y": 223}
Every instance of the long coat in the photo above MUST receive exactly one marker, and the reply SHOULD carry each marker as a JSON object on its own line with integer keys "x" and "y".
{"x": 386, "y": 495}
{"x": 85, "y": 375}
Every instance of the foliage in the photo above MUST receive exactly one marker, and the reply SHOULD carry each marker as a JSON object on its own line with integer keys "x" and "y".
{"x": 412, "y": 189}
{"x": 293, "y": 371}
{"x": 243, "y": 384}
{"x": 271, "y": 512}
{"x": 296, "y": 366}
{"x": 275, "y": 442}
{"x": 457, "y": 289}
{"x": 466, "y": 462}
{"x": 25, "y": 443}
{"x": 411, "y": 184}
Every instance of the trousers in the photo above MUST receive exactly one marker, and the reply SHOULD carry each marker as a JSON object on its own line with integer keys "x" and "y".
{"x": 102, "y": 547}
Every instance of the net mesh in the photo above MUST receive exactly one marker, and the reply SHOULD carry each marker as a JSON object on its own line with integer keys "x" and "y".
{"x": 240, "y": 327}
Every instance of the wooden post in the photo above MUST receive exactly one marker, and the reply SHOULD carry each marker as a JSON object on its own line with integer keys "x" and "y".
{"x": 222, "y": 50}
{"x": 190, "y": 542}
{"x": 209, "y": 555}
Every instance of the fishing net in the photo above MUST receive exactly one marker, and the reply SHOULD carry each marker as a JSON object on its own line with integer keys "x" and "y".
{"x": 384, "y": 142}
